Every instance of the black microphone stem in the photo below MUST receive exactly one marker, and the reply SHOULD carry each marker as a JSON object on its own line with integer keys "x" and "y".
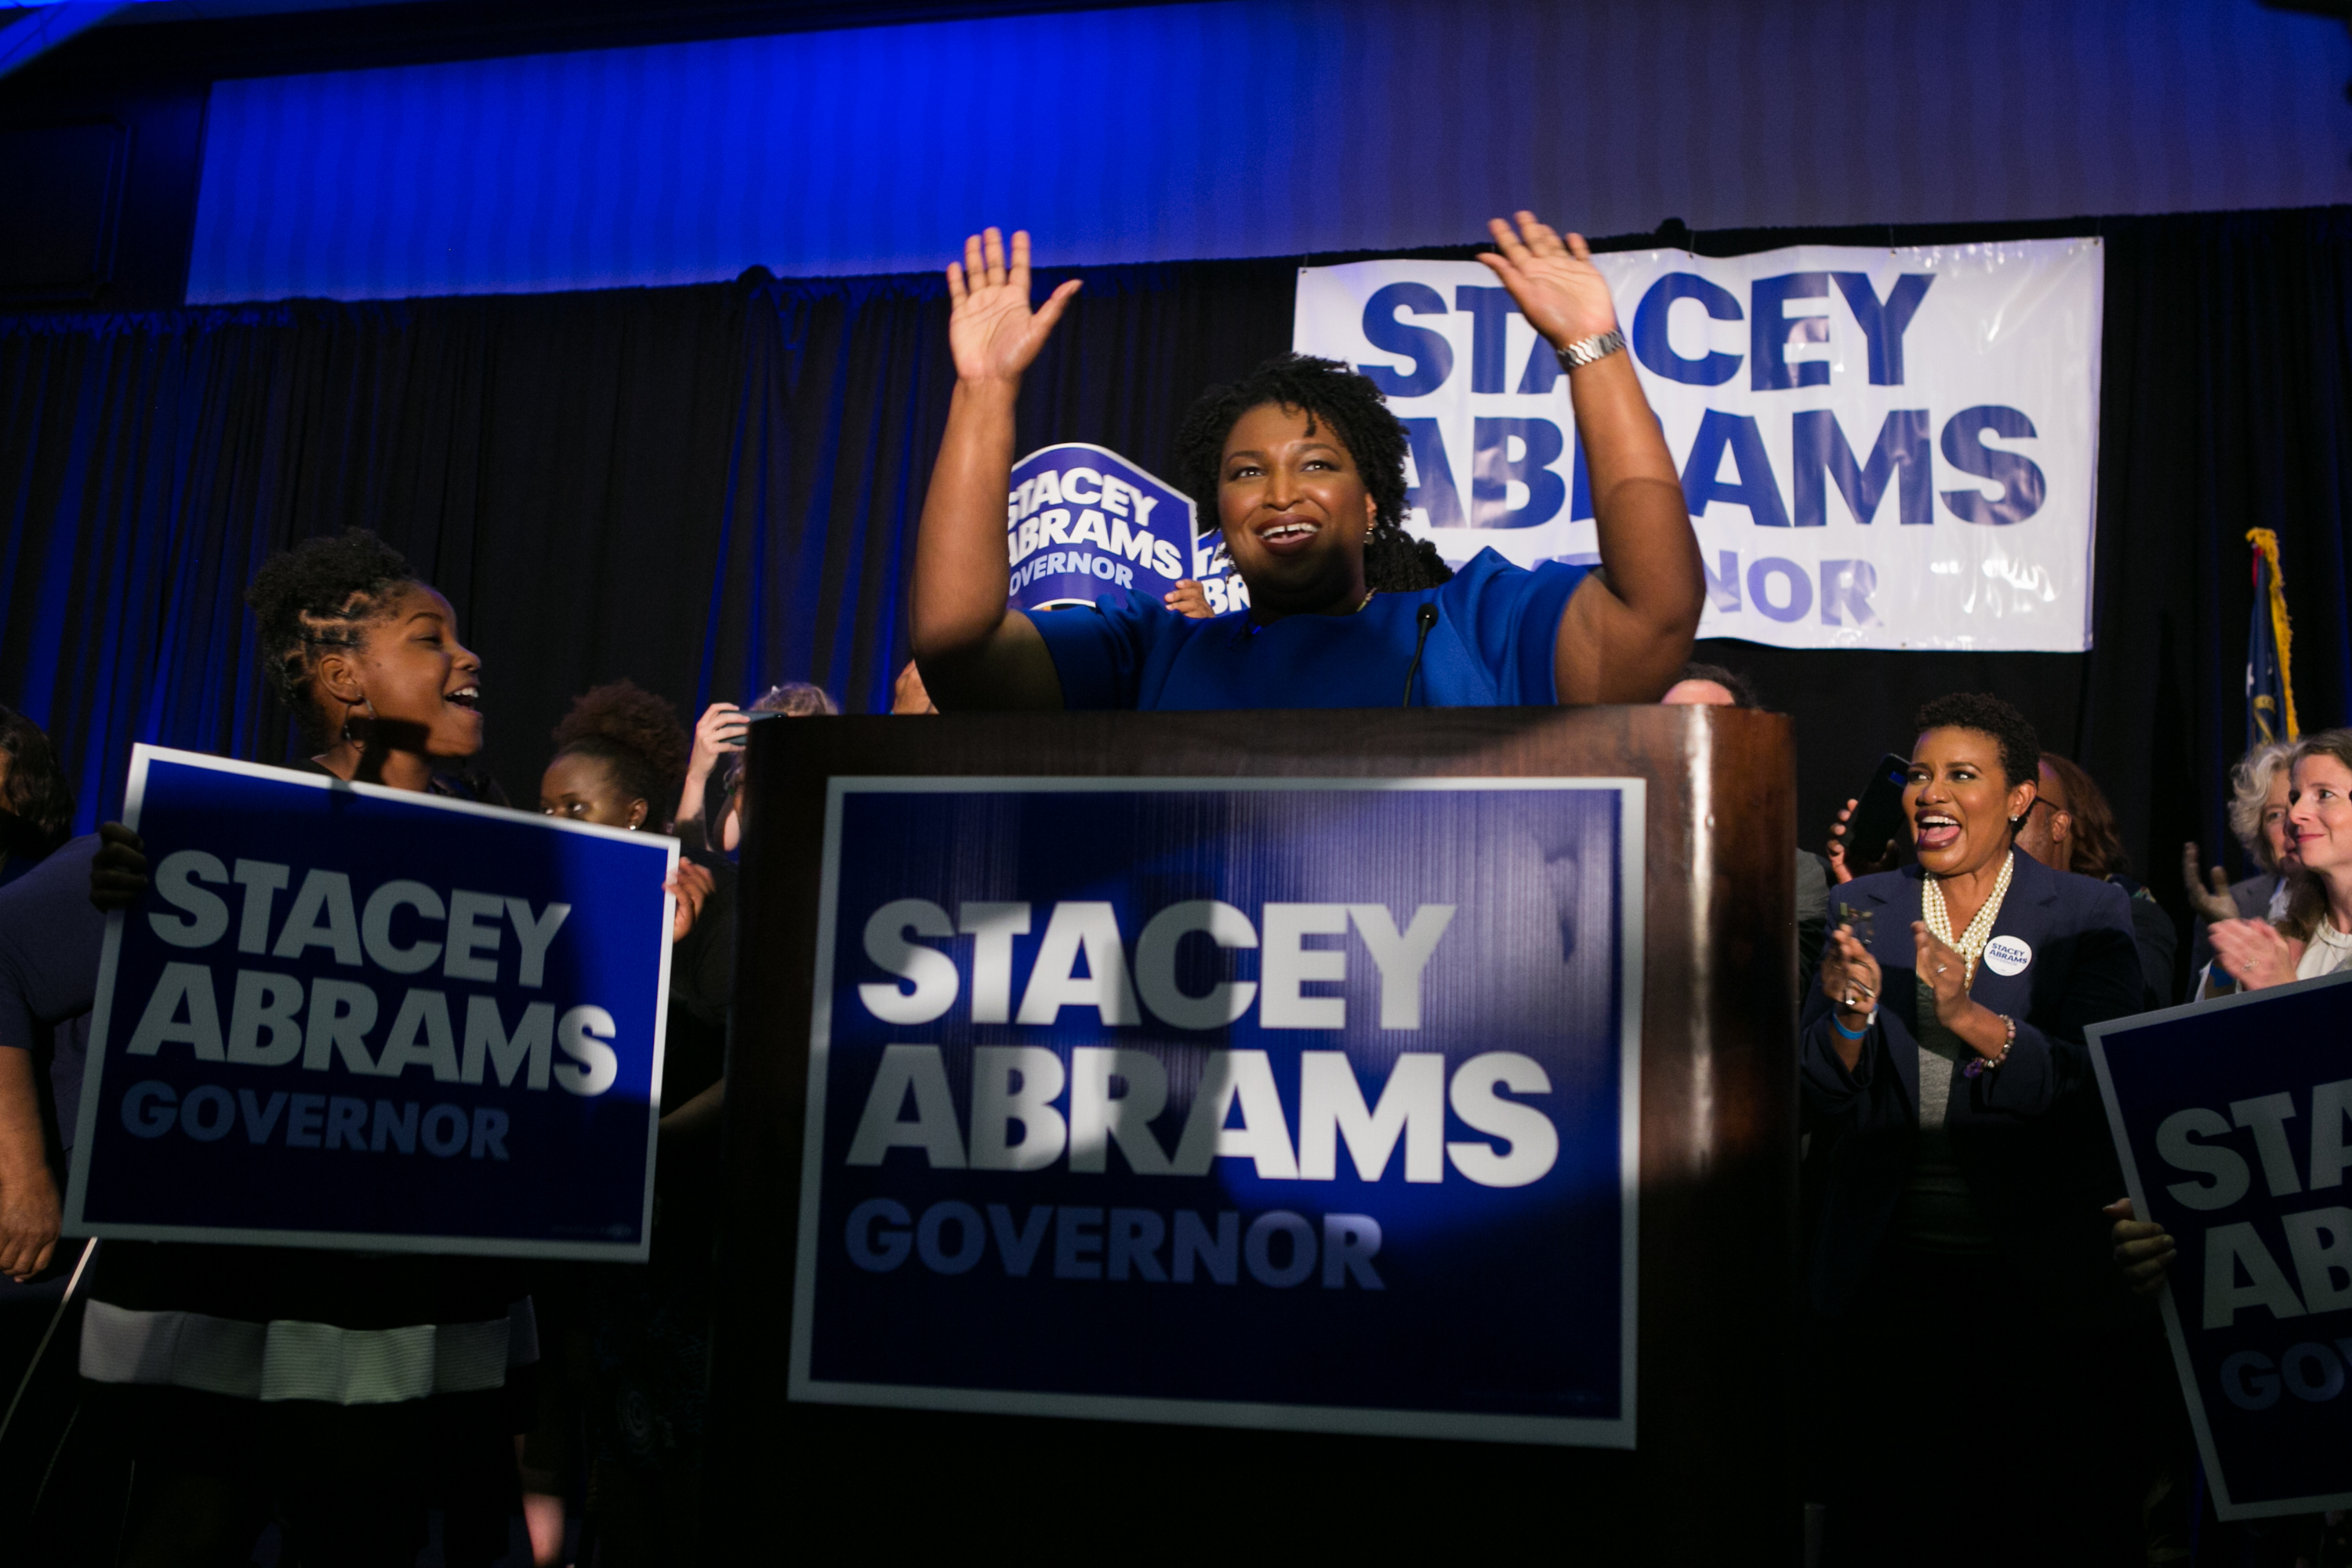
{"x": 1427, "y": 618}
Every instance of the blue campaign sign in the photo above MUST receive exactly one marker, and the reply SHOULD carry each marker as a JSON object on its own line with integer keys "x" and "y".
{"x": 2233, "y": 1119}
{"x": 1294, "y": 1103}
{"x": 1213, "y": 570}
{"x": 1080, "y": 520}
{"x": 354, "y": 1016}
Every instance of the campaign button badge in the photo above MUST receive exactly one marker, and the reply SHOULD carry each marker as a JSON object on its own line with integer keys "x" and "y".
{"x": 2008, "y": 955}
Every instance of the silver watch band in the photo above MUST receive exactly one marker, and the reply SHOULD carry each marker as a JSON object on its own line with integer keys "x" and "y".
{"x": 1585, "y": 351}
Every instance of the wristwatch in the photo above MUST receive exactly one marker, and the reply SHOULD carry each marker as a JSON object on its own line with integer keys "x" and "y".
{"x": 1586, "y": 351}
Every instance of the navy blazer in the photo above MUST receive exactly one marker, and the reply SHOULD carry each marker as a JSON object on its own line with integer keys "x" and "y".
{"x": 2030, "y": 1137}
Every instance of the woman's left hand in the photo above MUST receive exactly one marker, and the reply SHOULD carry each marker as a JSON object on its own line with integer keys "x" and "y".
{"x": 1946, "y": 973}
{"x": 690, "y": 887}
{"x": 1190, "y": 600}
{"x": 2255, "y": 953}
{"x": 1552, "y": 280}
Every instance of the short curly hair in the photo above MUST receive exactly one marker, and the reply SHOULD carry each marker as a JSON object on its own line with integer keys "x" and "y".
{"x": 1327, "y": 391}
{"x": 2250, "y": 796}
{"x": 636, "y": 735}
{"x": 37, "y": 792}
{"x": 321, "y": 593}
{"x": 2021, "y": 748}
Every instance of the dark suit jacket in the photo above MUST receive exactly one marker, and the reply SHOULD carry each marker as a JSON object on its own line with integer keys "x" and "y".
{"x": 2030, "y": 1137}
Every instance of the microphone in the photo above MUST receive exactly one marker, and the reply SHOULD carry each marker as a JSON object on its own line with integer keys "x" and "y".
{"x": 1426, "y": 618}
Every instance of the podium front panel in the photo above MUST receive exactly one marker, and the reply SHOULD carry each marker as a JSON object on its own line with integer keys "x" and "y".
{"x": 1326, "y": 1091}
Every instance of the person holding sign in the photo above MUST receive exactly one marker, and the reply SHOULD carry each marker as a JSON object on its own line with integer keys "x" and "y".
{"x": 1302, "y": 463}
{"x": 2315, "y": 937}
{"x": 229, "y": 1415}
{"x": 1966, "y": 1304}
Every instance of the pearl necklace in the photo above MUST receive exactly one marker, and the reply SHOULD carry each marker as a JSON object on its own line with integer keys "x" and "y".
{"x": 1970, "y": 944}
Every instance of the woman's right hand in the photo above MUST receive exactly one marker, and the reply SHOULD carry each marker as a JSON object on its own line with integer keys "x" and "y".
{"x": 1863, "y": 859}
{"x": 2142, "y": 1250}
{"x": 2255, "y": 953}
{"x": 1850, "y": 978}
{"x": 117, "y": 876}
{"x": 719, "y": 731}
{"x": 2214, "y": 903}
{"x": 992, "y": 330}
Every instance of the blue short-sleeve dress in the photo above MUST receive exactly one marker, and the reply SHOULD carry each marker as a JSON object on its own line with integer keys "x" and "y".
{"x": 1492, "y": 645}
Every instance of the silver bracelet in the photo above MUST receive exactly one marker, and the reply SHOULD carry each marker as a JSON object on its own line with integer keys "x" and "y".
{"x": 1589, "y": 350}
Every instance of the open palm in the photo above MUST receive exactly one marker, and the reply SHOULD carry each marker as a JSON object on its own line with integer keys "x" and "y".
{"x": 992, "y": 330}
{"x": 1552, "y": 280}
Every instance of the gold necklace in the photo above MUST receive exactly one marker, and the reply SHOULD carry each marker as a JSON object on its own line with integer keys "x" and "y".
{"x": 1366, "y": 599}
{"x": 1970, "y": 944}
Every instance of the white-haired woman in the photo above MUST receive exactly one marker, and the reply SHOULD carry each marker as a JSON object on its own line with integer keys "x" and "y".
{"x": 2258, "y": 801}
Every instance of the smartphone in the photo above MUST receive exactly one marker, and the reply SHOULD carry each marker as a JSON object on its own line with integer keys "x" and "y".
{"x": 1878, "y": 817}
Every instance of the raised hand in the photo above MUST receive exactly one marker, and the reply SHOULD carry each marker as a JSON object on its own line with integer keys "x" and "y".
{"x": 992, "y": 330}
{"x": 2215, "y": 904}
{"x": 1552, "y": 280}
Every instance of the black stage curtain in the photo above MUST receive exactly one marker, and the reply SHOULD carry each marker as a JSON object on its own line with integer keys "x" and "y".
{"x": 710, "y": 488}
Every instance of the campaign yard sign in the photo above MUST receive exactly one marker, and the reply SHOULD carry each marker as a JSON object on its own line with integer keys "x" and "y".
{"x": 1881, "y": 448}
{"x": 2233, "y": 1119}
{"x": 351, "y": 1016}
{"x": 1081, "y": 521}
{"x": 1299, "y": 1103}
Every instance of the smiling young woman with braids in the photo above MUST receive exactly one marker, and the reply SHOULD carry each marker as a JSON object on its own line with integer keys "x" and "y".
{"x": 368, "y": 658}
{"x": 1302, "y": 464}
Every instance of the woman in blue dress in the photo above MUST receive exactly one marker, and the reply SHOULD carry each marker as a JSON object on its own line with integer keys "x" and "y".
{"x": 1308, "y": 464}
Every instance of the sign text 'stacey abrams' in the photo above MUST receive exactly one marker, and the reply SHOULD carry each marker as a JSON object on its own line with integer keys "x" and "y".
{"x": 1879, "y": 448}
{"x": 347, "y": 1016}
{"x": 1247, "y": 1058}
{"x": 2233, "y": 1120}
{"x": 1080, "y": 521}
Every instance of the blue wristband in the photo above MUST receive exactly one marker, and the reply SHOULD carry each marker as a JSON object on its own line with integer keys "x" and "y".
{"x": 1862, "y": 1033}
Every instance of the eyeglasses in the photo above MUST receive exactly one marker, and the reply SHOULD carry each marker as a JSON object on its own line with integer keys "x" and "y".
{"x": 2055, "y": 810}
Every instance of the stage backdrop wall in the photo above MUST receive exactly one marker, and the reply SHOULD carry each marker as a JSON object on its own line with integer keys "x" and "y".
{"x": 711, "y": 488}
{"x": 1145, "y": 133}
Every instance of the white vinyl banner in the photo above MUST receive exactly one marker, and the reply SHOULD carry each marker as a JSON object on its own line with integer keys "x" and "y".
{"x": 1880, "y": 448}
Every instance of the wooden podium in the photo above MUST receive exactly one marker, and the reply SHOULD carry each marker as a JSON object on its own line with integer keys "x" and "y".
{"x": 1712, "y": 1478}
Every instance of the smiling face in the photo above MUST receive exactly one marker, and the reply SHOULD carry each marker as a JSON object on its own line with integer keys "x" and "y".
{"x": 2320, "y": 815}
{"x": 581, "y": 788}
{"x": 2276, "y": 834}
{"x": 1959, "y": 803}
{"x": 1295, "y": 512}
{"x": 411, "y": 680}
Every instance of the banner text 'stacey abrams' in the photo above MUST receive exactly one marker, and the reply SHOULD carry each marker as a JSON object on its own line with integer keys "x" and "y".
{"x": 1880, "y": 448}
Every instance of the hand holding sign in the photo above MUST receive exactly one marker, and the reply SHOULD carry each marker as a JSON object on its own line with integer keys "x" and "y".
{"x": 1553, "y": 283}
{"x": 2143, "y": 1251}
{"x": 1189, "y": 599}
{"x": 119, "y": 873}
{"x": 991, "y": 332}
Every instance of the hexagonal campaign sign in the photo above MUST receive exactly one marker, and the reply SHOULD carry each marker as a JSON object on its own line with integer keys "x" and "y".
{"x": 1080, "y": 520}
